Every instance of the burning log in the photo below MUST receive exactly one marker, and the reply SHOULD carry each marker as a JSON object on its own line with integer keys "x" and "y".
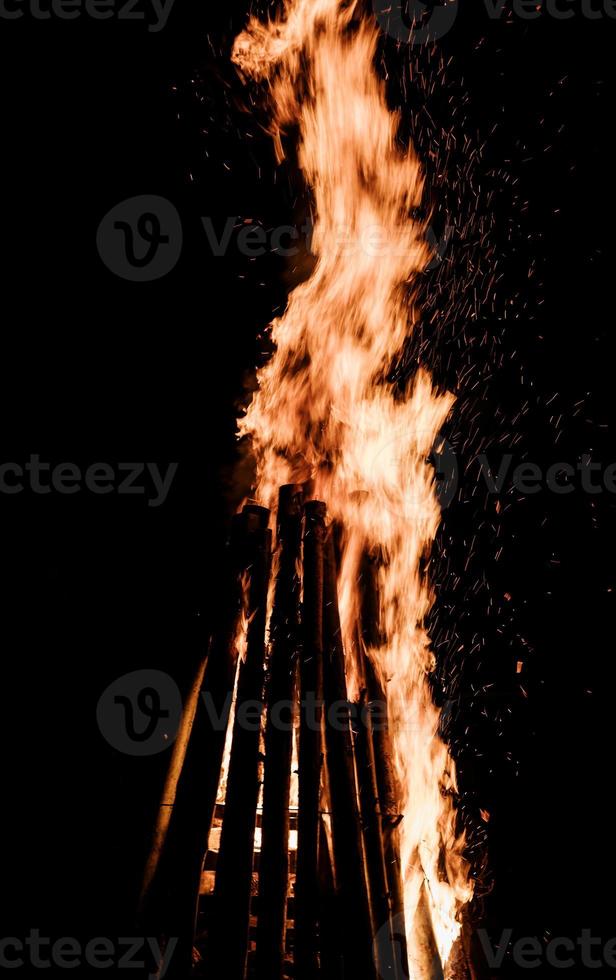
{"x": 387, "y": 790}
{"x": 167, "y": 802}
{"x": 426, "y": 951}
{"x": 373, "y": 837}
{"x": 285, "y": 641}
{"x": 467, "y": 959}
{"x": 310, "y": 748}
{"x": 171, "y": 904}
{"x": 331, "y": 954}
{"x": 346, "y": 825}
{"x": 229, "y": 929}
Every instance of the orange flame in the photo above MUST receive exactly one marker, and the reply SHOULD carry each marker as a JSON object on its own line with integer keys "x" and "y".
{"x": 324, "y": 409}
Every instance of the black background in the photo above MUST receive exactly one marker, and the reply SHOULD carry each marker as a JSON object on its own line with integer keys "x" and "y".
{"x": 95, "y": 368}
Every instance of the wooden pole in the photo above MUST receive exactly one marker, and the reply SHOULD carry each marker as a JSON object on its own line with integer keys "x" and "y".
{"x": 349, "y": 859}
{"x": 331, "y": 942}
{"x": 428, "y": 962}
{"x": 388, "y": 796}
{"x": 285, "y": 644}
{"x": 172, "y": 908}
{"x": 232, "y": 894}
{"x": 373, "y": 837}
{"x": 167, "y": 802}
{"x": 384, "y": 778}
{"x": 310, "y": 748}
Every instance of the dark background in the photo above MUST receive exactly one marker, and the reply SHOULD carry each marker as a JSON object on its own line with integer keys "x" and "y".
{"x": 96, "y": 368}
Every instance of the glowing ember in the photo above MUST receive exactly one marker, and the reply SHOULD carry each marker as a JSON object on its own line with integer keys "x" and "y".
{"x": 325, "y": 409}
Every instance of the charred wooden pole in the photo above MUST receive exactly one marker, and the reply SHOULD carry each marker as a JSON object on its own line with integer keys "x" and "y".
{"x": 386, "y": 783}
{"x": 167, "y": 802}
{"x": 387, "y": 791}
{"x": 349, "y": 861}
{"x": 470, "y": 961}
{"x": 330, "y": 944}
{"x": 173, "y": 901}
{"x": 285, "y": 643}
{"x": 373, "y": 838}
{"x": 231, "y": 910}
{"x": 310, "y": 748}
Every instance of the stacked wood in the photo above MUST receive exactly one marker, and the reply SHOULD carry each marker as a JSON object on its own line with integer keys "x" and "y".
{"x": 348, "y": 901}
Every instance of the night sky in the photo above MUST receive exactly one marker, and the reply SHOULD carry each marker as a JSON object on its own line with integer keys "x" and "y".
{"x": 512, "y": 119}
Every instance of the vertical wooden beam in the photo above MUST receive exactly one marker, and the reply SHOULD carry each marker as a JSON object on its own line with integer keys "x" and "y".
{"x": 330, "y": 939}
{"x": 310, "y": 748}
{"x": 285, "y": 645}
{"x": 167, "y": 801}
{"x": 388, "y": 803}
{"x": 172, "y": 904}
{"x": 373, "y": 837}
{"x": 383, "y": 777}
{"x": 349, "y": 859}
{"x": 428, "y": 963}
{"x": 232, "y": 895}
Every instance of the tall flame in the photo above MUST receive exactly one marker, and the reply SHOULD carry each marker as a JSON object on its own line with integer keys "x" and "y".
{"x": 325, "y": 409}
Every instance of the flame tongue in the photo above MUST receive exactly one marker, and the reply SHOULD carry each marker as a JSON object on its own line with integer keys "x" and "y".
{"x": 325, "y": 411}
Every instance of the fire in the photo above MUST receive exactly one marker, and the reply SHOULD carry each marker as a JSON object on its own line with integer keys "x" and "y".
{"x": 240, "y": 643}
{"x": 326, "y": 409}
